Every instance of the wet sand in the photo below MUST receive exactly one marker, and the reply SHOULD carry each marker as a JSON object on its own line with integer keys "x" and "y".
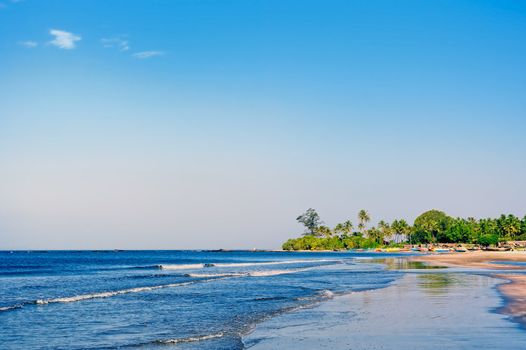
{"x": 478, "y": 259}
{"x": 514, "y": 290}
{"x": 428, "y": 310}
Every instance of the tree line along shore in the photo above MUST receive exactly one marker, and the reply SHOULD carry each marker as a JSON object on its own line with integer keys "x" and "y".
{"x": 432, "y": 227}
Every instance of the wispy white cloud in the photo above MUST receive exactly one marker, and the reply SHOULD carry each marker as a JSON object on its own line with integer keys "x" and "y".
{"x": 119, "y": 43}
{"x": 64, "y": 40}
{"x": 28, "y": 44}
{"x": 147, "y": 54}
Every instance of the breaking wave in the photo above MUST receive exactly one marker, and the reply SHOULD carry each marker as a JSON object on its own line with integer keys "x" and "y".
{"x": 322, "y": 294}
{"x": 327, "y": 294}
{"x": 247, "y": 264}
{"x": 261, "y": 273}
{"x": 12, "y": 307}
{"x": 106, "y": 294}
{"x": 100, "y": 295}
{"x": 273, "y": 272}
{"x": 211, "y": 275}
{"x": 183, "y": 266}
{"x": 284, "y": 262}
{"x": 190, "y": 339}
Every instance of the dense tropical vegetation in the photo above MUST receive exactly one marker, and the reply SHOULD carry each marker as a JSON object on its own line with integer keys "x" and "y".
{"x": 433, "y": 226}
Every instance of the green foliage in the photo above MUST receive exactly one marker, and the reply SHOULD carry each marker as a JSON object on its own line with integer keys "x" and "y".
{"x": 458, "y": 231}
{"x": 376, "y": 235}
{"x": 288, "y": 245}
{"x": 323, "y": 231}
{"x": 311, "y": 220}
{"x": 314, "y": 243}
{"x": 488, "y": 239}
{"x": 344, "y": 228}
{"x": 421, "y": 237}
{"x": 401, "y": 227}
{"x": 363, "y": 218}
{"x": 433, "y": 226}
{"x": 509, "y": 226}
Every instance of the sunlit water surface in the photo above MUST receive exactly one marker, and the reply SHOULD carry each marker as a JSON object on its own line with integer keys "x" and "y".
{"x": 151, "y": 299}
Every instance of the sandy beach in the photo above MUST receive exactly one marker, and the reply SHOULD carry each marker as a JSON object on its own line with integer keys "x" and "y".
{"x": 515, "y": 291}
{"x": 478, "y": 259}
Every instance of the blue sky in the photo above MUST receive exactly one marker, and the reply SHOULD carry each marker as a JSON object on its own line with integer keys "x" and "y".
{"x": 213, "y": 124}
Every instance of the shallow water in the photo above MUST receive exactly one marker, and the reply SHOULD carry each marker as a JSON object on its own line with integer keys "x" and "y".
{"x": 419, "y": 311}
{"x": 148, "y": 299}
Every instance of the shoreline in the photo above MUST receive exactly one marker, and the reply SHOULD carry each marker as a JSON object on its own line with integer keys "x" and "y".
{"x": 476, "y": 259}
{"x": 514, "y": 290}
{"x": 360, "y": 320}
{"x": 514, "y": 286}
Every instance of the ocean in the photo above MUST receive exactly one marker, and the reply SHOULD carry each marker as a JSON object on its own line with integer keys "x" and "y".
{"x": 221, "y": 300}
{"x": 151, "y": 299}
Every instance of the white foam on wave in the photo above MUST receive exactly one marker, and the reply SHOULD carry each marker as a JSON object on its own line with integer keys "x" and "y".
{"x": 245, "y": 264}
{"x": 327, "y": 294}
{"x": 268, "y": 273}
{"x": 181, "y": 267}
{"x": 209, "y": 275}
{"x": 259, "y": 273}
{"x": 12, "y": 307}
{"x": 107, "y": 294}
{"x": 323, "y": 294}
{"x": 191, "y": 339}
{"x": 283, "y": 262}
{"x": 81, "y": 297}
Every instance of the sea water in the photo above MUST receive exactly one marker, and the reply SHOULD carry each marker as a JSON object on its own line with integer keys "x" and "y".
{"x": 425, "y": 310}
{"x": 154, "y": 299}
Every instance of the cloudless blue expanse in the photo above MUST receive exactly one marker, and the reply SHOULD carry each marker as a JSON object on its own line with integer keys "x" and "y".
{"x": 213, "y": 124}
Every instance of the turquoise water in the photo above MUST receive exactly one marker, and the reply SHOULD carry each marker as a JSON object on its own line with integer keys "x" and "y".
{"x": 154, "y": 299}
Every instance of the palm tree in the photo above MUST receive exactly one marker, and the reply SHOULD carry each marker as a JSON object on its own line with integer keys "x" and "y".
{"x": 401, "y": 228}
{"x": 323, "y": 231}
{"x": 364, "y": 218}
{"x": 385, "y": 229}
{"x": 376, "y": 235}
{"x": 344, "y": 228}
{"x": 348, "y": 227}
{"x": 338, "y": 229}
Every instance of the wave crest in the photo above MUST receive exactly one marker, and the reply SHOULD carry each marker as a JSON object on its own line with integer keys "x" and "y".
{"x": 273, "y": 272}
{"x": 245, "y": 264}
{"x": 210, "y": 275}
{"x": 106, "y": 294}
{"x": 12, "y": 307}
{"x": 327, "y": 294}
{"x": 182, "y": 266}
{"x": 191, "y": 339}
